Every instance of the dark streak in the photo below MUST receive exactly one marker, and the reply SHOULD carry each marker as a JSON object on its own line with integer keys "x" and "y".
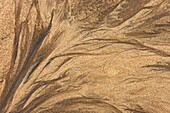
{"x": 32, "y": 70}
{"x": 159, "y": 67}
{"x": 81, "y": 105}
{"x": 19, "y": 78}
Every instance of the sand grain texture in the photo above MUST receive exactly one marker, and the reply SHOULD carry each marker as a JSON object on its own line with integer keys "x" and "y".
{"x": 84, "y": 56}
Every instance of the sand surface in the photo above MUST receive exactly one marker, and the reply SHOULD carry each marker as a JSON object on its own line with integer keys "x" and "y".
{"x": 84, "y": 56}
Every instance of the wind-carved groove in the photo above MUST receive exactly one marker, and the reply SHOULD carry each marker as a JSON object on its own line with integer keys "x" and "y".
{"x": 160, "y": 66}
{"x": 44, "y": 54}
{"x": 94, "y": 12}
{"x": 119, "y": 15}
{"x": 138, "y": 109}
{"x": 41, "y": 99}
{"x": 80, "y": 104}
{"x": 17, "y": 79}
